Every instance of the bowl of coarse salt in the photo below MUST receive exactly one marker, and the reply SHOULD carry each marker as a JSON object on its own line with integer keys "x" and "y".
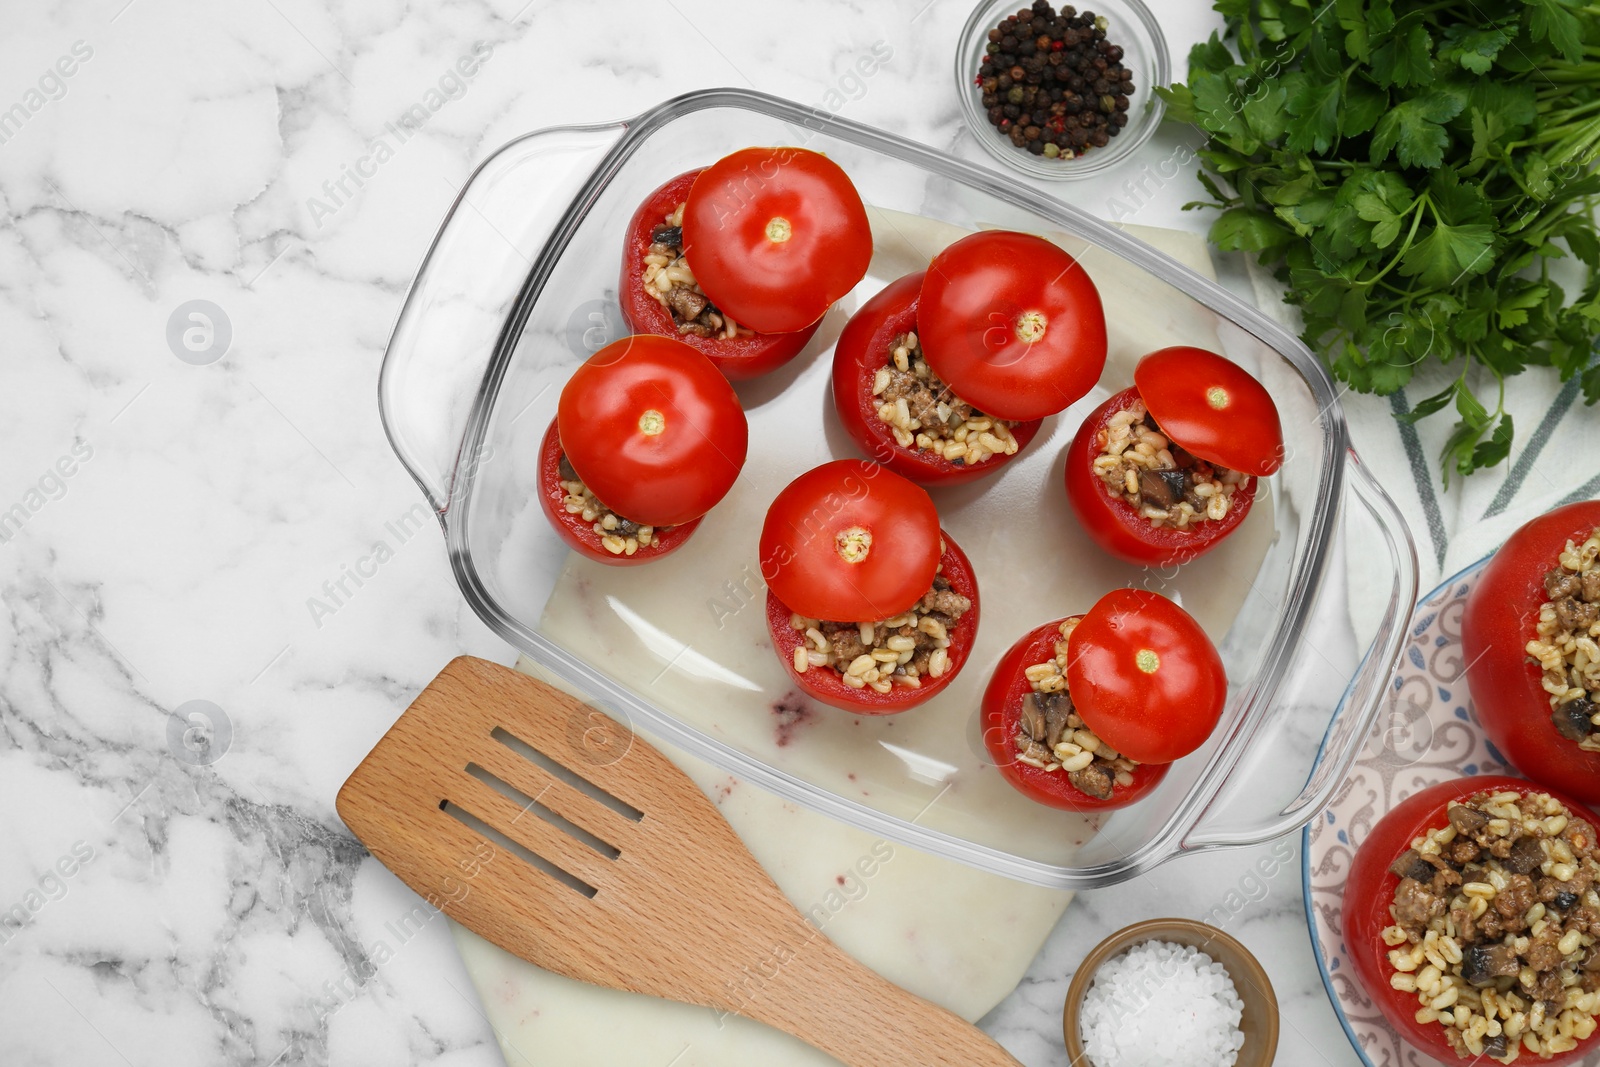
{"x": 1171, "y": 991}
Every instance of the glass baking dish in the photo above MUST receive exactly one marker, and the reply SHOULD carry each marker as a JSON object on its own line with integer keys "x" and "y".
{"x": 520, "y": 285}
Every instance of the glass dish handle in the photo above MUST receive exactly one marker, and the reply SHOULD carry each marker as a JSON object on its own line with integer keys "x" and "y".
{"x": 1366, "y": 696}
{"x": 460, "y": 307}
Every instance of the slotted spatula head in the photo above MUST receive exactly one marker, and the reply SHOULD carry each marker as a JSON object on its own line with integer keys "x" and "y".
{"x": 549, "y": 829}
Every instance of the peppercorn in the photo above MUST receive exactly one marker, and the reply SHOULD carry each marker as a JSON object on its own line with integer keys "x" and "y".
{"x": 1052, "y": 82}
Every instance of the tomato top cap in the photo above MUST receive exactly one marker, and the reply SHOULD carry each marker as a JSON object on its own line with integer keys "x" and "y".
{"x": 1212, "y": 408}
{"x": 775, "y": 235}
{"x": 653, "y": 429}
{"x": 850, "y": 541}
{"x": 1145, "y": 677}
{"x": 1012, "y": 323}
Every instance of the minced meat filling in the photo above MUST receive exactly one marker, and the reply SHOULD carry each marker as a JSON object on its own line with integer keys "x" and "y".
{"x": 619, "y": 536}
{"x": 881, "y": 655}
{"x": 667, "y": 277}
{"x": 1566, "y": 649}
{"x": 1497, "y": 927}
{"x": 1169, "y": 487}
{"x": 1051, "y": 736}
{"x": 924, "y": 414}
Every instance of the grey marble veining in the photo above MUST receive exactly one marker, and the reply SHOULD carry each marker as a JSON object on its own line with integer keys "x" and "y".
{"x": 183, "y": 520}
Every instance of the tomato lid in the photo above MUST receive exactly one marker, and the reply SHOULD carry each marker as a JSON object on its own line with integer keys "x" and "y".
{"x": 850, "y": 541}
{"x": 1012, "y": 323}
{"x": 776, "y": 235}
{"x": 1145, "y": 677}
{"x": 1212, "y": 408}
{"x": 653, "y": 429}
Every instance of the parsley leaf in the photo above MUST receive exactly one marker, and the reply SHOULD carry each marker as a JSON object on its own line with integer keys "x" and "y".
{"x": 1315, "y": 107}
{"x": 1404, "y": 58}
{"x": 1554, "y": 21}
{"x": 1414, "y": 129}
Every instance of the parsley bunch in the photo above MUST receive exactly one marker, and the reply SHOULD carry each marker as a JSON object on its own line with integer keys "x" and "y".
{"x": 1412, "y": 169}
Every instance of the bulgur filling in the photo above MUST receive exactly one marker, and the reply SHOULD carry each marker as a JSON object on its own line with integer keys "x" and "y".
{"x": 881, "y": 655}
{"x": 1051, "y": 736}
{"x": 925, "y": 415}
{"x": 667, "y": 277}
{"x": 1569, "y": 623}
{"x": 1497, "y": 927}
{"x": 618, "y": 536}
{"x": 1169, "y": 487}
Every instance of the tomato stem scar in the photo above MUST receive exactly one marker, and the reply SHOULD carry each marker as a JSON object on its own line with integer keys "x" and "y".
{"x": 1217, "y": 397}
{"x": 778, "y": 229}
{"x": 1147, "y": 661}
{"x": 1031, "y": 326}
{"x": 853, "y": 544}
{"x": 652, "y": 422}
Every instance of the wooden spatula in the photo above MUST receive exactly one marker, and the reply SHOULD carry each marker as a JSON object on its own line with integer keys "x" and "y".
{"x": 546, "y": 827}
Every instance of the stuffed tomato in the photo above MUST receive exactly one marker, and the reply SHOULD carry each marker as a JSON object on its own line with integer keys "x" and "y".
{"x": 870, "y": 605}
{"x": 1469, "y": 918}
{"x": 660, "y": 295}
{"x": 1163, "y": 471}
{"x": 1529, "y": 637}
{"x": 647, "y": 438}
{"x": 1012, "y": 323}
{"x": 899, "y": 411}
{"x": 1087, "y": 713}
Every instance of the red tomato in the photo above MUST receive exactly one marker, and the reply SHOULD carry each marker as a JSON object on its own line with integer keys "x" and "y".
{"x": 862, "y": 348}
{"x": 1013, "y": 323}
{"x": 1369, "y": 892}
{"x": 825, "y": 684}
{"x": 1145, "y": 677}
{"x": 1498, "y": 623}
{"x": 738, "y": 358}
{"x": 1002, "y": 712}
{"x": 580, "y": 535}
{"x": 775, "y": 236}
{"x": 1212, "y": 408}
{"x": 653, "y": 429}
{"x": 1115, "y": 525}
{"x": 850, "y": 542}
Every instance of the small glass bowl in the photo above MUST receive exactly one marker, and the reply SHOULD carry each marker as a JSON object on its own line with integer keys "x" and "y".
{"x": 1130, "y": 25}
{"x": 1260, "y": 1021}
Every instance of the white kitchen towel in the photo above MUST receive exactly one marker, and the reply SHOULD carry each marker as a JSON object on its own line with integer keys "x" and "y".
{"x": 1554, "y": 460}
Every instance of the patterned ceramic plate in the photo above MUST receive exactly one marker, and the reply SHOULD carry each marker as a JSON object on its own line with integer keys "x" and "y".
{"x": 1429, "y": 734}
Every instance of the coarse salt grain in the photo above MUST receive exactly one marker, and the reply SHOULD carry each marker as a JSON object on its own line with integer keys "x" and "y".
{"x": 1159, "y": 1004}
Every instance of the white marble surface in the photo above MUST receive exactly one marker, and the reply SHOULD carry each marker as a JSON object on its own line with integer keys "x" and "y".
{"x": 208, "y": 540}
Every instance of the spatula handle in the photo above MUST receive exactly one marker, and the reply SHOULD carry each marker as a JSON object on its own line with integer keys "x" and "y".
{"x": 831, "y": 1002}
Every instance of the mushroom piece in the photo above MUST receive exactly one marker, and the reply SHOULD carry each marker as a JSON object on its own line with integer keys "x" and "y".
{"x": 1033, "y": 717}
{"x": 1573, "y": 719}
{"x": 1412, "y": 865}
{"x": 1526, "y": 855}
{"x": 1162, "y": 488}
{"x": 1467, "y": 820}
{"x": 1482, "y": 964}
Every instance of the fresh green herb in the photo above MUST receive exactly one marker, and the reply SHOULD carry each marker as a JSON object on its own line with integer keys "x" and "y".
{"x": 1411, "y": 169}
